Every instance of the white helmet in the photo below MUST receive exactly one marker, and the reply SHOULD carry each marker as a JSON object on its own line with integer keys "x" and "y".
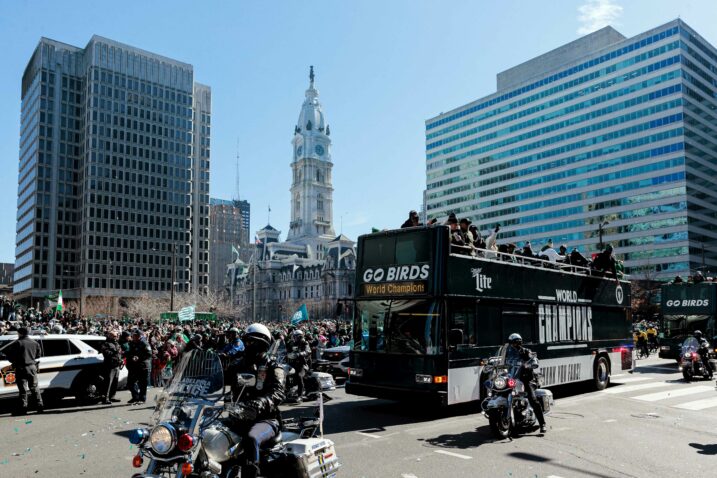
{"x": 259, "y": 332}
{"x": 297, "y": 333}
{"x": 515, "y": 338}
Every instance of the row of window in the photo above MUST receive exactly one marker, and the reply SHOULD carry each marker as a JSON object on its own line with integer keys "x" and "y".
{"x": 588, "y": 64}
{"x": 567, "y": 109}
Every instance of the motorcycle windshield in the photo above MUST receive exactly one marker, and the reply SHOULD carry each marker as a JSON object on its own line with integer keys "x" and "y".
{"x": 690, "y": 345}
{"x": 198, "y": 379}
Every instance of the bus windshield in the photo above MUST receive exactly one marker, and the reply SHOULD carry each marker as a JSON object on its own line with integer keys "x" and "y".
{"x": 399, "y": 326}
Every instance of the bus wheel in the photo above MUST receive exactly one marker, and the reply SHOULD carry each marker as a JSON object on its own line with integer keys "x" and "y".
{"x": 602, "y": 374}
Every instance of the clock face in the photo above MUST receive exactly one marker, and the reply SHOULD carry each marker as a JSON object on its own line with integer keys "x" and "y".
{"x": 299, "y": 150}
{"x": 319, "y": 150}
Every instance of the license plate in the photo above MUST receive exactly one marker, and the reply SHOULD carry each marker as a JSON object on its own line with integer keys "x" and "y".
{"x": 665, "y": 347}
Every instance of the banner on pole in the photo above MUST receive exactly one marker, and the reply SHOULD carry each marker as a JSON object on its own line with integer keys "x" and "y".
{"x": 186, "y": 313}
{"x": 300, "y": 316}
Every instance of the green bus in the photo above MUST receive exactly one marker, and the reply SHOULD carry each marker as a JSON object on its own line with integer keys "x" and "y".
{"x": 427, "y": 315}
{"x": 685, "y": 308}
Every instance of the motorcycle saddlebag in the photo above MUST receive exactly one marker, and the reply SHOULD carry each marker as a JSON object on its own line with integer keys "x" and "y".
{"x": 545, "y": 397}
{"x": 311, "y": 458}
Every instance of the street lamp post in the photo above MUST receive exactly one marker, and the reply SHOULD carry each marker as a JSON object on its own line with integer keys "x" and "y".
{"x": 602, "y": 224}
{"x": 171, "y": 288}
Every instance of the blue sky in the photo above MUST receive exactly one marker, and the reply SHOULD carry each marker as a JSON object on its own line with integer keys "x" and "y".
{"x": 382, "y": 69}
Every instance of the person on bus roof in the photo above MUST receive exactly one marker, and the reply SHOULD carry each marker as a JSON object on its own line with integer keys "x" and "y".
{"x": 605, "y": 262}
{"x": 455, "y": 231}
{"x": 412, "y": 220}
{"x": 516, "y": 353}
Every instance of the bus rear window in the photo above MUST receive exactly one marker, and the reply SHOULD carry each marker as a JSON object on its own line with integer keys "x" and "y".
{"x": 400, "y": 249}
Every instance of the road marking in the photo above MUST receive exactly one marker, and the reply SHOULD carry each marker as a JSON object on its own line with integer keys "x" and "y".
{"x": 654, "y": 397}
{"x": 408, "y": 475}
{"x": 611, "y": 420}
{"x": 456, "y": 455}
{"x": 631, "y": 379}
{"x": 634, "y": 388}
{"x": 698, "y": 404}
{"x": 553, "y": 476}
{"x": 662, "y": 367}
{"x": 369, "y": 435}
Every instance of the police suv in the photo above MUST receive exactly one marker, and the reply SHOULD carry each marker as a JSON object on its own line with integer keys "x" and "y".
{"x": 70, "y": 365}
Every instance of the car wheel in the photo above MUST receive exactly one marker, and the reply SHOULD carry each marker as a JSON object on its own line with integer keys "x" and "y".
{"x": 88, "y": 389}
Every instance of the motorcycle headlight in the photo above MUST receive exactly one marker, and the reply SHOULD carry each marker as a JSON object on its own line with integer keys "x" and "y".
{"x": 499, "y": 382}
{"x": 688, "y": 355}
{"x": 163, "y": 438}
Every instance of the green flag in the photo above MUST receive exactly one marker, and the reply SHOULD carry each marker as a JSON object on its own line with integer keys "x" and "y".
{"x": 301, "y": 315}
{"x": 59, "y": 302}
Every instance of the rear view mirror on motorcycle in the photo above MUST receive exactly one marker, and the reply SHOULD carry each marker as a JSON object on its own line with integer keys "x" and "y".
{"x": 246, "y": 380}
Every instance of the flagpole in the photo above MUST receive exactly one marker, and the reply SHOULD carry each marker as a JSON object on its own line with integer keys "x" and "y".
{"x": 253, "y": 302}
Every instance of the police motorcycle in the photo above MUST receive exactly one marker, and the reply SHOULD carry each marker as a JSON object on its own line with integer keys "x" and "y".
{"x": 506, "y": 404}
{"x": 316, "y": 381}
{"x": 691, "y": 363}
{"x": 192, "y": 434}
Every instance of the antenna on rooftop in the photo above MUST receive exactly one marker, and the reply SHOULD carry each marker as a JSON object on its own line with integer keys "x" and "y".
{"x": 236, "y": 191}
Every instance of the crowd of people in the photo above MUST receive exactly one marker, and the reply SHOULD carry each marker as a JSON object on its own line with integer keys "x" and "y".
{"x": 149, "y": 348}
{"x": 467, "y": 239}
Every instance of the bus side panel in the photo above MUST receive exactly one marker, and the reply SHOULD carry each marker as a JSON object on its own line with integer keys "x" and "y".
{"x": 464, "y": 384}
{"x": 557, "y": 371}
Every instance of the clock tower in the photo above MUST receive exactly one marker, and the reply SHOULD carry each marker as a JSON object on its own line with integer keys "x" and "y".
{"x": 311, "y": 190}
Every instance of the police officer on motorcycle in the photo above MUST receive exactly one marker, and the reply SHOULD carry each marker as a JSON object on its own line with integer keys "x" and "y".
{"x": 704, "y": 350}
{"x": 517, "y": 353}
{"x": 259, "y": 404}
{"x": 299, "y": 357}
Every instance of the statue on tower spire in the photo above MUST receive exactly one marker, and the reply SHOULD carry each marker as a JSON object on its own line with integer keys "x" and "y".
{"x": 311, "y": 75}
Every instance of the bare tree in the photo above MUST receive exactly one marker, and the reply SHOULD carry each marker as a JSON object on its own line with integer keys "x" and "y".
{"x": 644, "y": 287}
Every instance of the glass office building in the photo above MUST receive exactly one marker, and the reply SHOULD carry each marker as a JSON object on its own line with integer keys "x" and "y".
{"x": 606, "y": 134}
{"x": 113, "y": 173}
{"x": 228, "y": 232}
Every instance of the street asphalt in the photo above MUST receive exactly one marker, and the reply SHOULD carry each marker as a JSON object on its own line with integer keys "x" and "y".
{"x": 647, "y": 424}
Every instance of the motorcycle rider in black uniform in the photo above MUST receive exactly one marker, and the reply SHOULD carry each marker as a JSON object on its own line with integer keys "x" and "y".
{"x": 704, "y": 350}
{"x": 258, "y": 404}
{"x": 517, "y": 353}
{"x": 299, "y": 357}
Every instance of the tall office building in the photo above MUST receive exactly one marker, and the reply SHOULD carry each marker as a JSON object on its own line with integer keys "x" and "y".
{"x": 113, "y": 175}
{"x": 605, "y": 136}
{"x": 229, "y": 232}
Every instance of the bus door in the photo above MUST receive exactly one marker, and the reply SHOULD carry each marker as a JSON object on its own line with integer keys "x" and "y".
{"x": 474, "y": 333}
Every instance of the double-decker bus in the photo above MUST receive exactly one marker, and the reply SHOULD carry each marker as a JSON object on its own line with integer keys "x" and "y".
{"x": 685, "y": 308}
{"x": 427, "y": 315}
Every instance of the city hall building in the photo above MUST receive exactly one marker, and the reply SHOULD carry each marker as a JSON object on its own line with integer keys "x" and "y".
{"x": 605, "y": 135}
{"x": 314, "y": 266}
{"x": 113, "y": 184}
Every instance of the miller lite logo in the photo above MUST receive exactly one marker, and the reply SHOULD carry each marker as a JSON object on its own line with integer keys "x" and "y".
{"x": 483, "y": 282}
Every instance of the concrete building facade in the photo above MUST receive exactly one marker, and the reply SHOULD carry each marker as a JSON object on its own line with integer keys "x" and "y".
{"x": 605, "y": 136}
{"x": 113, "y": 173}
